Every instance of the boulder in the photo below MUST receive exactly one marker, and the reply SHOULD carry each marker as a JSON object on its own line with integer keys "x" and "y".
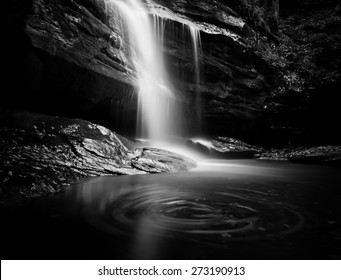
{"x": 42, "y": 154}
{"x": 153, "y": 160}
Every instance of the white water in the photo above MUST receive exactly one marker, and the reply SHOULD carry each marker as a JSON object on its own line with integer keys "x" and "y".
{"x": 159, "y": 108}
{"x": 196, "y": 42}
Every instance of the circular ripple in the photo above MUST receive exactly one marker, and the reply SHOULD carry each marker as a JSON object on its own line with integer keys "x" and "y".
{"x": 235, "y": 214}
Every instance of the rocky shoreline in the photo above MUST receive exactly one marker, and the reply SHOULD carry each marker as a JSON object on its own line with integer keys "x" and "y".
{"x": 230, "y": 148}
{"x": 42, "y": 155}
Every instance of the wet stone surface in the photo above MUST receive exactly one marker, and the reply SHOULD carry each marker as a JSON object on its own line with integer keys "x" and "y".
{"x": 230, "y": 148}
{"x": 326, "y": 155}
{"x": 42, "y": 154}
{"x": 223, "y": 147}
{"x": 154, "y": 160}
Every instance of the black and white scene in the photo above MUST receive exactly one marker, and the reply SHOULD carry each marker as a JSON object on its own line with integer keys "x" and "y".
{"x": 170, "y": 130}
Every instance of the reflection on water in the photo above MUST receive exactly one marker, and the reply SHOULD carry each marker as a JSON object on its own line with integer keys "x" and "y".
{"x": 176, "y": 207}
{"x": 237, "y": 209}
{"x": 215, "y": 204}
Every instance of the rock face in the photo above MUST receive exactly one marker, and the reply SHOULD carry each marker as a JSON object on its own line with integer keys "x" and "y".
{"x": 79, "y": 32}
{"x": 233, "y": 83}
{"x": 62, "y": 58}
{"x": 74, "y": 62}
{"x": 262, "y": 79}
{"x": 42, "y": 154}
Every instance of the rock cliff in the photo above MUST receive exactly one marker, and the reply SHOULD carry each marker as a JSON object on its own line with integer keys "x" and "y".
{"x": 267, "y": 68}
{"x": 67, "y": 57}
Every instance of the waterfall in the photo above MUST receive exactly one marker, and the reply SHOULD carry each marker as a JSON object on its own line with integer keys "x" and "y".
{"x": 196, "y": 42}
{"x": 159, "y": 107}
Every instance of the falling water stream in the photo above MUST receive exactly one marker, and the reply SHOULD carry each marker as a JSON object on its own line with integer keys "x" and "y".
{"x": 159, "y": 106}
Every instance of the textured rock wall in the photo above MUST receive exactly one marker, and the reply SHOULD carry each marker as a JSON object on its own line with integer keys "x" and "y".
{"x": 73, "y": 62}
{"x": 66, "y": 57}
{"x": 234, "y": 80}
{"x": 63, "y": 59}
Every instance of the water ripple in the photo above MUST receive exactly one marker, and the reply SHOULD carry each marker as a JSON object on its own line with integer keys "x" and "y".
{"x": 198, "y": 214}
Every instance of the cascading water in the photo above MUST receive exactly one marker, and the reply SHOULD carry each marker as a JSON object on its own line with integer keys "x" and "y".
{"x": 155, "y": 97}
{"x": 159, "y": 108}
{"x": 196, "y": 42}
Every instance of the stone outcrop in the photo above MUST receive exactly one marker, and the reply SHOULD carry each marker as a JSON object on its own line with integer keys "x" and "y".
{"x": 328, "y": 155}
{"x": 224, "y": 147}
{"x": 43, "y": 154}
{"x": 154, "y": 160}
{"x": 230, "y": 148}
{"x": 62, "y": 58}
{"x": 234, "y": 79}
{"x": 324, "y": 155}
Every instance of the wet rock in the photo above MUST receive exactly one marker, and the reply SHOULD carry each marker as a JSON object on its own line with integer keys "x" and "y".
{"x": 274, "y": 154}
{"x": 326, "y": 155}
{"x": 78, "y": 32}
{"x": 233, "y": 84}
{"x": 224, "y": 147}
{"x": 72, "y": 52}
{"x": 230, "y": 148}
{"x": 51, "y": 153}
{"x": 329, "y": 155}
{"x": 154, "y": 160}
